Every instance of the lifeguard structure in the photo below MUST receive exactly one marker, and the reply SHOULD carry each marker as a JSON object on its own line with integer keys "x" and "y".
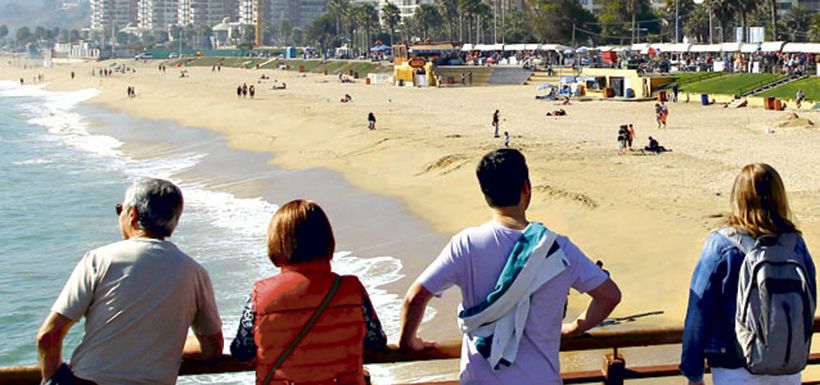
{"x": 415, "y": 64}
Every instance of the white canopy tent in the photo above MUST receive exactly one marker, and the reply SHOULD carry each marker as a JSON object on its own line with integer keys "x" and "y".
{"x": 731, "y": 47}
{"x": 705, "y": 48}
{"x": 772, "y": 46}
{"x": 467, "y": 47}
{"x": 552, "y": 47}
{"x": 489, "y": 47}
{"x": 801, "y": 48}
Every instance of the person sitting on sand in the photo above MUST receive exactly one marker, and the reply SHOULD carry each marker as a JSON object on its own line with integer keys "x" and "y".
{"x": 558, "y": 112}
{"x": 799, "y": 97}
{"x": 278, "y": 87}
{"x": 655, "y": 147}
{"x": 567, "y": 99}
{"x": 306, "y": 324}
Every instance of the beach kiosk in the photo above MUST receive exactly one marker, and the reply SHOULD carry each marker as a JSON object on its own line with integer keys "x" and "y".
{"x": 415, "y": 64}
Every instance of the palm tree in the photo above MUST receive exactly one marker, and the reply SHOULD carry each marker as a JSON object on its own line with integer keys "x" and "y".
{"x": 369, "y": 18}
{"x": 337, "y": 9}
{"x": 391, "y": 17}
{"x": 427, "y": 17}
{"x": 724, "y": 11}
{"x": 743, "y": 8}
{"x": 773, "y": 11}
{"x": 448, "y": 9}
{"x": 799, "y": 21}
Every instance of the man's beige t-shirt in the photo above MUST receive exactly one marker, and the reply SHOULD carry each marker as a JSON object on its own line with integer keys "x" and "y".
{"x": 139, "y": 297}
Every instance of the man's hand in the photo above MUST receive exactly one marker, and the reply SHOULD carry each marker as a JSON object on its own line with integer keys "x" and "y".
{"x": 415, "y": 343}
{"x": 412, "y": 312}
{"x": 571, "y": 329}
{"x": 203, "y": 347}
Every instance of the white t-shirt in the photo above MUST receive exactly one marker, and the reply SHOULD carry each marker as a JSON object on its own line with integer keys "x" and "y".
{"x": 473, "y": 261}
{"x": 139, "y": 297}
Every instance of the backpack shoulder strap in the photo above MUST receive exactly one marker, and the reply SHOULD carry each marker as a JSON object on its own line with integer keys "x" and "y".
{"x": 740, "y": 240}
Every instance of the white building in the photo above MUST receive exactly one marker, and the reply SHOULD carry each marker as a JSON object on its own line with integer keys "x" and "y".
{"x": 108, "y": 14}
{"x": 157, "y": 14}
{"x": 407, "y": 8}
{"x": 197, "y": 12}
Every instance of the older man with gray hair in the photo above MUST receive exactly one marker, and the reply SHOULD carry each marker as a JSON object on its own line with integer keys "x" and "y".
{"x": 139, "y": 296}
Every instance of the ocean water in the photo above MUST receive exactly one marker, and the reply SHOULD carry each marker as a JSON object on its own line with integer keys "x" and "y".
{"x": 63, "y": 166}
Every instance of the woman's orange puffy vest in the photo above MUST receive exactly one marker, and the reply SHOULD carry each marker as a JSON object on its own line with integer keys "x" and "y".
{"x": 333, "y": 350}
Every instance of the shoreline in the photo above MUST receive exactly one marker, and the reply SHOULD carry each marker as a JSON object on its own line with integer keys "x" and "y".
{"x": 646, "y": 217}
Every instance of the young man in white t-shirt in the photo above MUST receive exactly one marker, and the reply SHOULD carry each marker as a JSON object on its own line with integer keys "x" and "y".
{"x": 474, "y": 260}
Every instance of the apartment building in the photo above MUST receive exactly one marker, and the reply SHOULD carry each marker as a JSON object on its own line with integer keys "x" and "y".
{"x": 196, "y": 12}
{"x": 157, "y": 14}
{"x": 107, "y": 14}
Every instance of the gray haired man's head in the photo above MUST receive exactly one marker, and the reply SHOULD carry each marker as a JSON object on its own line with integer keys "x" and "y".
{"x": 158, "y": 202}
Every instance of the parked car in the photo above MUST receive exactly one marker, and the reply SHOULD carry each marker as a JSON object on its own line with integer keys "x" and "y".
{"x": 143, "y": 56}
{"x": 172, "y": 55}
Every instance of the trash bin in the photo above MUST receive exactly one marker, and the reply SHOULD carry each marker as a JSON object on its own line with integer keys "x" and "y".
{"x": 355, "y": 75}
{"x": 367, "y": 80}
{"x": 769, "y": 103}
{"x": 607, "y": 92}
{"x": 301, "y": 68}
{"x": 704, "y": 99}
{"x": 778, "y": 105}
{"x": 662, "y": 96}
{"x": 630, "y": 93}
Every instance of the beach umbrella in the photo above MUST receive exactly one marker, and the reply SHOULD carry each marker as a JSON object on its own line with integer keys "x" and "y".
{"x": 380, "y": 48}
{"x": 545, "y": 86}
{"x": 582, "y": 50}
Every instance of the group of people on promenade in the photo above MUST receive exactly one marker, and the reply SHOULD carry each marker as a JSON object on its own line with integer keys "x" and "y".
{"x": 307, "y": 324}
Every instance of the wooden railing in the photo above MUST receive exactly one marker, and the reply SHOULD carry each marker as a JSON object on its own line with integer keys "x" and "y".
{"x": 613, "y": 372}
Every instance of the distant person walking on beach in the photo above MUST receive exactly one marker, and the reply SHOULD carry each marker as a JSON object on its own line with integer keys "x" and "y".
{"x": 799, "y": 97}
{"x": 279, "y": 308}
{"x": 661, "y": 113}
{"x": 245, "y": 90}
{"x": 727, "y": 302}
{"x": 506, "y": 139}
{"x": 371, "y": 121}
{"x": 496, "y": 123}
{"x": 139, "y": 296}
{"x": 72, "y": 75}
{"x": 239, "y": 92}
{"x": 675, "y": 91}
{"x": 623, "y": 137}
{"x": 252, "y": 91}
{"x": 521, "y": 310}
{"x": 22, "y": 82}
{"x": 631, "y": 136}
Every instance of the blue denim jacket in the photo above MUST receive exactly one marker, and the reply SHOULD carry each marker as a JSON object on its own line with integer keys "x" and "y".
{"x": 709, "y": 329}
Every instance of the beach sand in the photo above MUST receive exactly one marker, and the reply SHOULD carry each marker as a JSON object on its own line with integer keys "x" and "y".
{"x": 645, "y": 216}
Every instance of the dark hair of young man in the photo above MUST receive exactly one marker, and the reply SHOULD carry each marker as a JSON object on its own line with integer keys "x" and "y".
{"x": 501, "y": 174}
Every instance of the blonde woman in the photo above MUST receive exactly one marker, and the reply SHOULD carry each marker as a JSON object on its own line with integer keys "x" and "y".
{"x": 759, "y": 210}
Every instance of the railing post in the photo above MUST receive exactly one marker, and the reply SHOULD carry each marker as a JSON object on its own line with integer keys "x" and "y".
{"x": 614, "y": 368}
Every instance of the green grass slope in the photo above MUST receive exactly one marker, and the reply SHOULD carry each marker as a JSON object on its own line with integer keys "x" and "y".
{"x": 733, "y": 84}
{"x": 810, "y": 86}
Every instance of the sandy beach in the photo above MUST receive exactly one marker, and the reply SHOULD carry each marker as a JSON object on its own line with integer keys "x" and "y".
{"x": 645, "y": 216}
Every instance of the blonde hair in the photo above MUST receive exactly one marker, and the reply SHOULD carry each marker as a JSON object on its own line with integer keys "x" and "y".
{"x": 759, "y": 204}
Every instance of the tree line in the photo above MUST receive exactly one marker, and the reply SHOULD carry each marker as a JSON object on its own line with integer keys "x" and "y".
{"x": 358, "y": 25}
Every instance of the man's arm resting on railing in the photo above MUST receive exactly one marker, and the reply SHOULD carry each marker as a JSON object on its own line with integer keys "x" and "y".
{"x": 203, "y": 347}
{"x": 412, "y": 312}
{"x": 604, "y": 299}
{"x": 50, "y": 343}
